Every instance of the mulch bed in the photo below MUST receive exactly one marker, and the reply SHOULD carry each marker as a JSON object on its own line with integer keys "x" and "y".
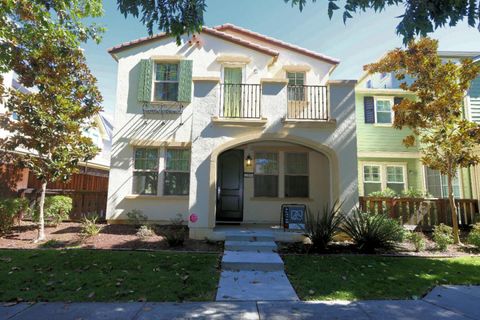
{"x": 405, "y": 249}
{"x": 68, "y": 235}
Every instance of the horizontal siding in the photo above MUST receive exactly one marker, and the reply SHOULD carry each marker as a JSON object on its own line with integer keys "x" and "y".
{"x": 414, "y": 171}
{"x": 371, "y": 137}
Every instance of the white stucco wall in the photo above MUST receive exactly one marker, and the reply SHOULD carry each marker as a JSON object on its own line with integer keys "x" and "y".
{"x": 336, "y": 142}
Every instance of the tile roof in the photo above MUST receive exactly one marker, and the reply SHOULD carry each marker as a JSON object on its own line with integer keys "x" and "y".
{"x": 276, "y": 42}
{"x": 206, "y": 30}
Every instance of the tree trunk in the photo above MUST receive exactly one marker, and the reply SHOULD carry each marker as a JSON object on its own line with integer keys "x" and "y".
{"x": 41, "y": 218}
{"x": 453, "y": 208}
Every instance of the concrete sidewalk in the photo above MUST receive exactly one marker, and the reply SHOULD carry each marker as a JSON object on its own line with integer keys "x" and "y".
{"x": 444, "y": 302}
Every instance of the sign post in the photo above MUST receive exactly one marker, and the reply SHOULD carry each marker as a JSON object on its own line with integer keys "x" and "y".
{"x": 293, "y": 216}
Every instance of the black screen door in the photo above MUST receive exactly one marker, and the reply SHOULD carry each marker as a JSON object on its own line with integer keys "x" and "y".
{"x": 230, "y": 186}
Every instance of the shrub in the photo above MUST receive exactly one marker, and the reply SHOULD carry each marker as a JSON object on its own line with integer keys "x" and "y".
{"x": 474, "y": 236}
{"x": 442, "y": 235}
{"x": 145, "y": 232}
{"x": 418, "y": 240}
{"x": 373, "y": 231}
{"x": 136, "y": 217}
{"x": 386, "y": 193}
{"x": 10, "y": 209}
{"x": 56, "y": 209}
{"x": 90, "y": 227}
{"x": 321, "y": 229}
{"x": 176, "y": 233}
{"x": 413, "y": 193}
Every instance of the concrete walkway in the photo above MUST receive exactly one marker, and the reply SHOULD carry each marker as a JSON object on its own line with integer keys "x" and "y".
{"x": 445, "y": 302}
{"x": 252, "y": 270}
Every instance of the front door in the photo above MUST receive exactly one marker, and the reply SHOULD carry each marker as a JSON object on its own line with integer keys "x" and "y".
{"x": 230, "y": 186}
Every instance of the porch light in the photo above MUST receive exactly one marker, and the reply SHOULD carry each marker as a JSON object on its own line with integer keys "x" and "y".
{"x": 248, "y": 160}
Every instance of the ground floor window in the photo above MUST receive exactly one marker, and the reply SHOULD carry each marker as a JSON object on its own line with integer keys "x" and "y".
{"x": 177, "y": 172}
{"x": 266, "y": 174}
{"x": 380, "y": 176}
{"x": 147, "y": 169}
{"x": 437, "y": 184}
{"x": 296, "y": 174}
{"x": 145, "y": 174}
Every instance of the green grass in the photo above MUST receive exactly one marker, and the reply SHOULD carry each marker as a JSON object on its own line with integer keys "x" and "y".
{"x": 369, "y": 277}
{"x": 87, "y": 275}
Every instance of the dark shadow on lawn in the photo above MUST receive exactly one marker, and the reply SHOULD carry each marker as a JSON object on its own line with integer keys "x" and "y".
{"x": 66, "y": 230}
{"x": 119, "y": 229}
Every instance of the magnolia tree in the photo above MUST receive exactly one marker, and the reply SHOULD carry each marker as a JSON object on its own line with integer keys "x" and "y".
{"x": 445, "y": 138}
{"x": 40, "y": 43}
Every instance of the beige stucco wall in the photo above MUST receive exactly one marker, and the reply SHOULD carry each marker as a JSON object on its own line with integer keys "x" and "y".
{"x": 336, "y": 142}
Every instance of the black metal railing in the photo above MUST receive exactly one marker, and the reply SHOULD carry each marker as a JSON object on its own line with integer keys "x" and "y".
{"x": 307, "y": 102}
{"x": 240, "y": 100}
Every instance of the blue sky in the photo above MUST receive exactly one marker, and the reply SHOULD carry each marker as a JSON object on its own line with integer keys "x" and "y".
{"x": 362, "y": 40}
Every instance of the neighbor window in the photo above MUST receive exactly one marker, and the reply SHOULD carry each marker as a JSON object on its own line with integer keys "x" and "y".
{"x": 437, "y": 184}
{"x": 371, "y": 179}
{"x": 166, "y": 82}
{"x": 383, "y": 111}
{"x": 296, "y": 175}
{"x": 145, "y": 175}
{"x": 266, "y": 174}
{"x": 395, "y": 180}
{"x": 177, "y": 172}
{"x": 296, "y": 81}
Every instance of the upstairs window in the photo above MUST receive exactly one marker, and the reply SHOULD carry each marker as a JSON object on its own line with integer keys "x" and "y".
{"x": 383, "y": 111}
{"x": 166, "y": 82}
{"x": 296, "y": 81}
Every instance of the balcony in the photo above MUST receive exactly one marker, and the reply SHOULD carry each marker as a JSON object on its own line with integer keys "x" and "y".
{"x": 307, "y": 103}
{"x": 240, "y": 101}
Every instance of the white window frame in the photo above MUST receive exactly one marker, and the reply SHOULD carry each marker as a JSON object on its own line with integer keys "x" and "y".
{"x": 383, "y": 174}
{"x": 459, "y": 176}
{"x": 391, "y": 100}
{"x": 154, "y": 78}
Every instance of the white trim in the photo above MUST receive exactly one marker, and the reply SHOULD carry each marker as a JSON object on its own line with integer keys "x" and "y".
{"x": 386, "y": 154}
{"x": 396, "y": 92}
{"x": 392, "y": 103}
{"x": 383, "y": 173}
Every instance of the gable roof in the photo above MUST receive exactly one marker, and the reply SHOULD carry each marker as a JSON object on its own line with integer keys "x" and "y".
{"x": 276, "y": 42}
{"x": 206, "y": 30}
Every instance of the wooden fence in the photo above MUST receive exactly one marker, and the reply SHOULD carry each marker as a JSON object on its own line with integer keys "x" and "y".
{"x": 89, "y": 193}
{"x": 421, "y": 212}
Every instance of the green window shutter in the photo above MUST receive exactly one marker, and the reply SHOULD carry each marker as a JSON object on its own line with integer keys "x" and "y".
{"x": 185, "y": 80}
{"x": 145, "y": 80}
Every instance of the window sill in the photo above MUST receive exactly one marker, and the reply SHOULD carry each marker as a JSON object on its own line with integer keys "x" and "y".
{"x": 154, "y": 197}
{"x": 239, "y": 122}
{"x": 283, "y": 199}
{"x": 309, "y": 123}
{"x": 383, "y": 125}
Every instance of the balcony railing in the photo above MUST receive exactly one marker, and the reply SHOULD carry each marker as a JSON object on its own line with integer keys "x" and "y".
{"x": 240, "y": 100}
{"x": 307, "y": 103}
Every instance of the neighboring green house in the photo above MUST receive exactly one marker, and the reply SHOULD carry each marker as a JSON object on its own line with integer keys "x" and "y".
{"x": 383, "y": 160}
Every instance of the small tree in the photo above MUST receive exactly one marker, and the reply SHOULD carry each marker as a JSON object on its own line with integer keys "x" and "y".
{"x": 40, "y": 42}
{"x": 446, "y": 139}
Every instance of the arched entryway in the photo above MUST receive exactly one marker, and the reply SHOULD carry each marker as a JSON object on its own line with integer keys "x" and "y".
{"x": 253, "y": 178}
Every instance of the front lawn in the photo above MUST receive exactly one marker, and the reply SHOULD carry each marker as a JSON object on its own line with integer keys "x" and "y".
{"x": 87, "y": 275}
{"x": 369, "y": 277}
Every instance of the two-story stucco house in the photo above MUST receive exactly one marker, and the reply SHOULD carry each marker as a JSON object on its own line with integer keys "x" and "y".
{"x": 383, "y": 160}
{"x": 228, "y": 126}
